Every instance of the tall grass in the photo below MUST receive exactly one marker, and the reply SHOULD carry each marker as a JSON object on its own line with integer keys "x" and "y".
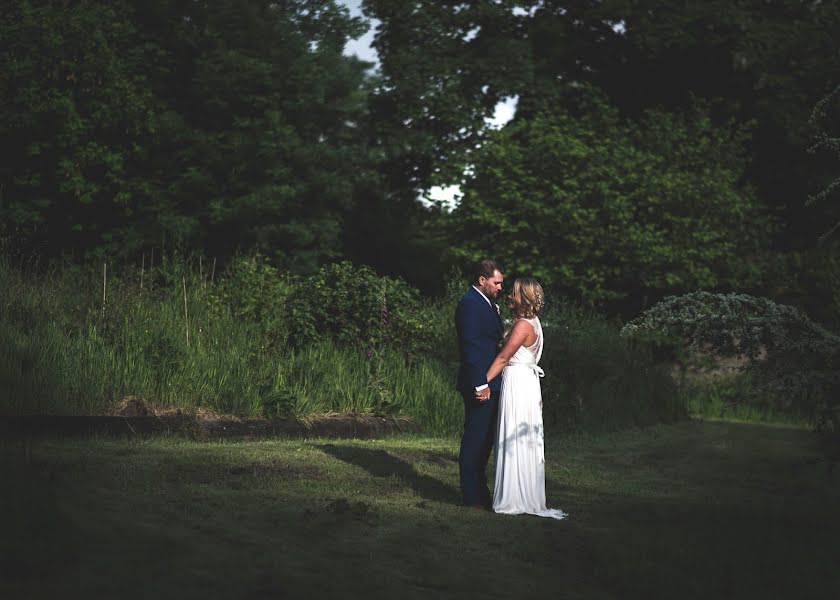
{"x": 597, "y": 380}
{"x": 182, "y": 341}
{"x": 60, "y": 353}
{"x": 735, "y": 397}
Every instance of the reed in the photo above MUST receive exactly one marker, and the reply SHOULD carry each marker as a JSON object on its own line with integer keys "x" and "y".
{"x": 179, "y": 343}
{"x": 63, "y": 353}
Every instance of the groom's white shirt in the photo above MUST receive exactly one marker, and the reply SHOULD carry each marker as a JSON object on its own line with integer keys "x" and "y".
{"x": 486, "y": 299}
{"x": 481, "y": 387}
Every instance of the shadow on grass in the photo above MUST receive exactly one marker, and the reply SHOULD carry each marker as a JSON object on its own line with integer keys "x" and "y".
{"x": 733, "y": 547}
{"x": 380, "y": 463}
{"x": 36, "y": 533}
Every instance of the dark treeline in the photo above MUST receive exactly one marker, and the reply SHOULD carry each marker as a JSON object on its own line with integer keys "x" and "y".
{"x": 658, "y": 147}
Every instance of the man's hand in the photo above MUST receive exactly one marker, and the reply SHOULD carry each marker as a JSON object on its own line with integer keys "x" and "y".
{"x": 483, "y": 395}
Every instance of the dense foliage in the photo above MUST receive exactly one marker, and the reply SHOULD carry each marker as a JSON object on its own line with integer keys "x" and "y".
{"x": 664, "y": 196}
{"x": 225, "y": 127}
{"x": 795, "y": 362}
{"x": 755, "y": 66}
{"x": 598, "y": 380}
{"x": 827, "y": 140}
{"x": 220, "y": 125}
{"x": 259, "y": 342}
{"x": 341, "y": 302}
{"x": 446, "y": 63}
{"x": 658, "y": 148}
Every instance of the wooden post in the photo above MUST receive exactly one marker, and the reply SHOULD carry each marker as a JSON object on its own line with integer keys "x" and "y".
{"x": 186, "y": 316}
{"x": 104, "y": 284}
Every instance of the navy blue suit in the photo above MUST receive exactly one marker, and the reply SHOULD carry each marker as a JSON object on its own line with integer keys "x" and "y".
{"x": 479, "y": 332}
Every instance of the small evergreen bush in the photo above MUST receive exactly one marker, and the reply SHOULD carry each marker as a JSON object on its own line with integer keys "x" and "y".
{"x": 792, "y": 361}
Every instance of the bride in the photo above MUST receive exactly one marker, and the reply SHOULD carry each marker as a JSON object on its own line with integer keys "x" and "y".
{"x": 520, "y": 455}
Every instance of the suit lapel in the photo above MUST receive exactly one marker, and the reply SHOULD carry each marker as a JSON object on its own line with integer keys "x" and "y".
{"x": 491, "y": 307}
{"x": 483, "y": 298}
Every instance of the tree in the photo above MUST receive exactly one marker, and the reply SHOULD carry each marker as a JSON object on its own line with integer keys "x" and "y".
{"x": 262, "y": 145}
{"x": 760, "y": 62}
{"x": 446, "y": 63}
{"x": 214, "y": 126}
{"x": 607, "y": 208}
{"x": 74, "y": 105}
{"x": 820, "y": 116}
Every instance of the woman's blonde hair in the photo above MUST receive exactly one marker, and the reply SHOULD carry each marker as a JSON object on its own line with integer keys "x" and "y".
{"x": 528, "y": 298}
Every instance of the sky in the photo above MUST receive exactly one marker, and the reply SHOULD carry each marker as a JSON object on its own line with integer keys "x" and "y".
{"x": 503, "y": 112}
{"x": 361, "y": 47}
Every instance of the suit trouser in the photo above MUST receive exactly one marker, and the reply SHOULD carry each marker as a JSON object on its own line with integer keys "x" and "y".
{"x": 476, "y": 445}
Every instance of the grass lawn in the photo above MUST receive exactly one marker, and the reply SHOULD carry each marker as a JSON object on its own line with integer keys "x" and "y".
{"x": 695, "y": 510}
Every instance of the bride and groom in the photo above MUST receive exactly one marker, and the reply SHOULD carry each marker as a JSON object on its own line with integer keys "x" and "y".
{"x": 502, "y": 399}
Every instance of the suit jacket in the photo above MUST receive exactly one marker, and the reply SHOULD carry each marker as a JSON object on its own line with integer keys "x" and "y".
{"x": 479, "y": 329}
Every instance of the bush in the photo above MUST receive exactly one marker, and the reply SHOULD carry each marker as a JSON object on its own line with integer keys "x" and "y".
{"x": 792, "y": 361}
{"x": 353, "y": 305}
{"x": 350, "y": 305}
{"x": 735, "y": 396}
{"x": 265, "y": 343}
{"x": 370, "y": 348}
{"x": 596, "y": 379}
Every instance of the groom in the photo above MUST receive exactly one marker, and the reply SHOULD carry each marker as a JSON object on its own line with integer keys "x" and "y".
{"x": 479, "y": 329}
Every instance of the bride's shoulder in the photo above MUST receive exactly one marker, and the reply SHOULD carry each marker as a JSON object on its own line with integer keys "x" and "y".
{"x": 522, "y": 322}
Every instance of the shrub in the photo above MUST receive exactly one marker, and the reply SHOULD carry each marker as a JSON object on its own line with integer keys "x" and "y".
{"x": 370, "y": 347}
{"x": 355, "y": 306}
{"x": 595, "y": 379}
{"x": 348, "y": 304}
{"x": 792, "y": 360}
{"x": 374, "y": 346}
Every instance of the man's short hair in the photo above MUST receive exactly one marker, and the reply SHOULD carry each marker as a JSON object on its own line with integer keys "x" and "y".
{"x": 485, "y": 269}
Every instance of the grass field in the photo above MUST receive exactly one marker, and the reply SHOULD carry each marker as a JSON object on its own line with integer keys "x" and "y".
{"x": 694, "y": 510}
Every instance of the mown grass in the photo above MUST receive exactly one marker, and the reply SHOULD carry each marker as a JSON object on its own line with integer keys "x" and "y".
{"x": 695, "y": 510}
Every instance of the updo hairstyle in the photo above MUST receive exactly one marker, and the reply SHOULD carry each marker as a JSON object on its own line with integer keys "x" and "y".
{"x": 528, "y": 298}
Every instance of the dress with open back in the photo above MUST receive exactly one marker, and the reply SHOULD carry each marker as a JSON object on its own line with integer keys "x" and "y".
{"x": 520, "y": 446}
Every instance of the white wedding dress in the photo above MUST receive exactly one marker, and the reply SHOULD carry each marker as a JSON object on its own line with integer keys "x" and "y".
{"x": 520, "y": 448}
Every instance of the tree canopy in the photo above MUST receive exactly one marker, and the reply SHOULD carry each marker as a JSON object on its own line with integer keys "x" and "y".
{"x": 658, "y": 147}
{"x": 220, "y": 126}
{"x": 605, "y": 207}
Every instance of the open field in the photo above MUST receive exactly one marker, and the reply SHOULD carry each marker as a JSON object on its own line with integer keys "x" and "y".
{"x": 695, "y": 510}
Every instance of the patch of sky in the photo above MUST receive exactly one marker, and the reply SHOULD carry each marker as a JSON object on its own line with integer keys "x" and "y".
{"x": 471, "y": 34}
{"x": 447, "y": 196}
{"x": 503, "y": 112}
{"x": 361, "y": 47}
{"x": 521, "y": 11}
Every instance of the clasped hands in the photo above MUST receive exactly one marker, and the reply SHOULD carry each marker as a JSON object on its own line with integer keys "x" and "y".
{"x": 482, "y": 395}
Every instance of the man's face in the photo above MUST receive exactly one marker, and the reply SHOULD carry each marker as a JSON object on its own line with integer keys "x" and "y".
{"x": 492, "y": 286}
